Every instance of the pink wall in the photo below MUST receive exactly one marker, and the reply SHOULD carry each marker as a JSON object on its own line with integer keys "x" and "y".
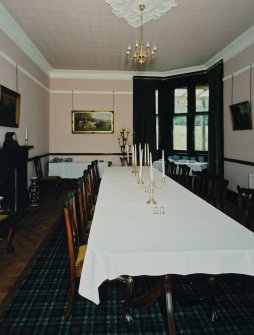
{"x": 88, "y": 95}
{"x": 34, "y": 110}
{"x": 48, "y": 116}
{"x": 238, "y": 144}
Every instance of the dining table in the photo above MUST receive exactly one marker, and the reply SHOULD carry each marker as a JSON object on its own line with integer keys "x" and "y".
{"x": 193, "y": 165}
{"x": 145, "y": 223}
{"x": 72, "y": 170}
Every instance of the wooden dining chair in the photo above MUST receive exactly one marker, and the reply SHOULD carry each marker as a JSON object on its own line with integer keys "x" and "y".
{"x": 77, "y": 252}
{"x": 199, "y": 184}
{"x": 89, "y": 191}
{"x": 183, "y": 175}
{"x": 83, "y": 218}
{"x": 45, "y": 181}
{"x": 96, "y": 175}
{"x": 245, "y": 208}
{"x": 170, "y": 169}
{"x": 217, "y": 192}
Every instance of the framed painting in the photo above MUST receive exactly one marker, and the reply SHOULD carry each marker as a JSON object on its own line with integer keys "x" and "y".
{"x": 92, "y": 122}
{"x": 241, "y": 116}
{"x": 9, "y": 107}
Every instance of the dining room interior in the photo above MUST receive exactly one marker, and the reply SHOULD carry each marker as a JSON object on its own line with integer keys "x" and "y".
{"x": 131, "y": 114}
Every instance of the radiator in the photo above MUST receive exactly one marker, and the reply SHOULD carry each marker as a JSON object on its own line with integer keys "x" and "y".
{"x": 251, "y": 180}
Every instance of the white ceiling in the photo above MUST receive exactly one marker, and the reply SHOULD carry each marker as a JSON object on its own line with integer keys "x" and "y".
{"x": 86, "y": 35}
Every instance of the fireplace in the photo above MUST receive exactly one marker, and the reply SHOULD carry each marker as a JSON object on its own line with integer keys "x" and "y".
{"x": 13, "y": 177}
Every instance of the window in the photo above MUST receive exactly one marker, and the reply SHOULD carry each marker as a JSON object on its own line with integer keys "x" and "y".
{"x": 201, "y": 118}
{"x": 190, "y": 118}
{"x": 180, "y": 133}
{"x": 180, "y": 119}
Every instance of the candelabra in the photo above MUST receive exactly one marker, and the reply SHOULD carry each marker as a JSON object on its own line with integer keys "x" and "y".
{"x": 124, "y": 145}
{"x": 151, "y": 200}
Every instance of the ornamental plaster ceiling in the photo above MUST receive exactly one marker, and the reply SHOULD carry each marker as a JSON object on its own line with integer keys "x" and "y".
{"x": 130, "y": 11}
{"x": 87, "y": 35}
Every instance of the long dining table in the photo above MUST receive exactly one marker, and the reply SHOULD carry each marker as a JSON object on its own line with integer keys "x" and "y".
{"x": 180, "y": 234}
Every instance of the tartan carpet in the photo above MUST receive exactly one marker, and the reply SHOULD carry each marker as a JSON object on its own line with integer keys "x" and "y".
{"x": 37, "y": 306}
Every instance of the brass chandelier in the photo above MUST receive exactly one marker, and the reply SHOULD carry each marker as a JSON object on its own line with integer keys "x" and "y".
{"x": 142, "y": 52}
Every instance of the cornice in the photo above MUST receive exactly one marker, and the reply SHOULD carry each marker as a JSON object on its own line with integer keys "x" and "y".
{"x": 118, "y": 75}
{"x": 19, "y": 37}
{"x": 241, "y": 43}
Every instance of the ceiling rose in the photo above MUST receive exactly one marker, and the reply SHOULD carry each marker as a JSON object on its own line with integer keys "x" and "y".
{"x": 129, "y": 9}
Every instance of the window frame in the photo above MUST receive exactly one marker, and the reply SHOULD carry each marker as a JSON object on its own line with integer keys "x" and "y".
{"x": 190, "y": 84}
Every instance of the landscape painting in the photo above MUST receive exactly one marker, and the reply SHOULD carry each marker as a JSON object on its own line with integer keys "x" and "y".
{"x": 92, "y": 122}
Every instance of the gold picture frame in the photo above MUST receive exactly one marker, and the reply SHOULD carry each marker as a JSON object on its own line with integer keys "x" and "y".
{"x": 9, "y": 107}
{"x": 92, "y": 122}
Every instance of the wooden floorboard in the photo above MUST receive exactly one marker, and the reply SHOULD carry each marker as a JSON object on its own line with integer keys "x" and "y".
{"x": 31, "y": 232}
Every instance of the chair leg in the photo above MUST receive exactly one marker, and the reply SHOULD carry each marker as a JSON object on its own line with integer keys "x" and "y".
{"x": 10, "y": 247}
{"x": 71, "y": 299}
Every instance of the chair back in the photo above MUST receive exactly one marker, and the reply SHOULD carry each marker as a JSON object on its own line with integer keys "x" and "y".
{"x": 170, "y": 169}
{"x": 91, "y": 184}
{"x": 245, "y": 212}
{"x": 83, "y": 212}
{"x": 71, "y": 228}
{"x": 200, "y": 185}
{"x": 217, "y": 191}
{"x": 183, "y": 175}
{"x": 96, "y": 175}
{"x": 38, "y": 167}
{"x": 183, "y": 170}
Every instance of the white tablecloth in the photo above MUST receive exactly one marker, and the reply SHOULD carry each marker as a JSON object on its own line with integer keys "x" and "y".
{"x": 128, "y": 238}
{"x": 73, "y": 169}
{"x": 194, "y": 166}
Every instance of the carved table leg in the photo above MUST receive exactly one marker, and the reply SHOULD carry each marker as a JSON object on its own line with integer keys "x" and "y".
{"x": 167, "y": 288}
{"x": 128, "y": 281}
{"x": 212, "y": 309}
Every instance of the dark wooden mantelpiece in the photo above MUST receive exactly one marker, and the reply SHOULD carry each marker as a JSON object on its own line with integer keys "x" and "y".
{"x": 13, "y": 176}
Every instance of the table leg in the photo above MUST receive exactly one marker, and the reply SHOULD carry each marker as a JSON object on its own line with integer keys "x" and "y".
{"x": 149, "y": 297}
{"x": 169, "y": 304}
{"x": 165, "y": 285}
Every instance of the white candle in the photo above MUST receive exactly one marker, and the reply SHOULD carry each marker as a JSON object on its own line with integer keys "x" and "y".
{"x": 140, "y": 165}
{"x": 151, "y": 167}
{"x": 163, "y": 164}
{"x": 127, "y": 150}
{"x": 139, "y": 151}
{"x": 145, "y": 154}
{"x": 26, "y": 134}
{"x": 132, "y": 147}
{"x": 148, "y": 160}
{"x": 135, "y": 154}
